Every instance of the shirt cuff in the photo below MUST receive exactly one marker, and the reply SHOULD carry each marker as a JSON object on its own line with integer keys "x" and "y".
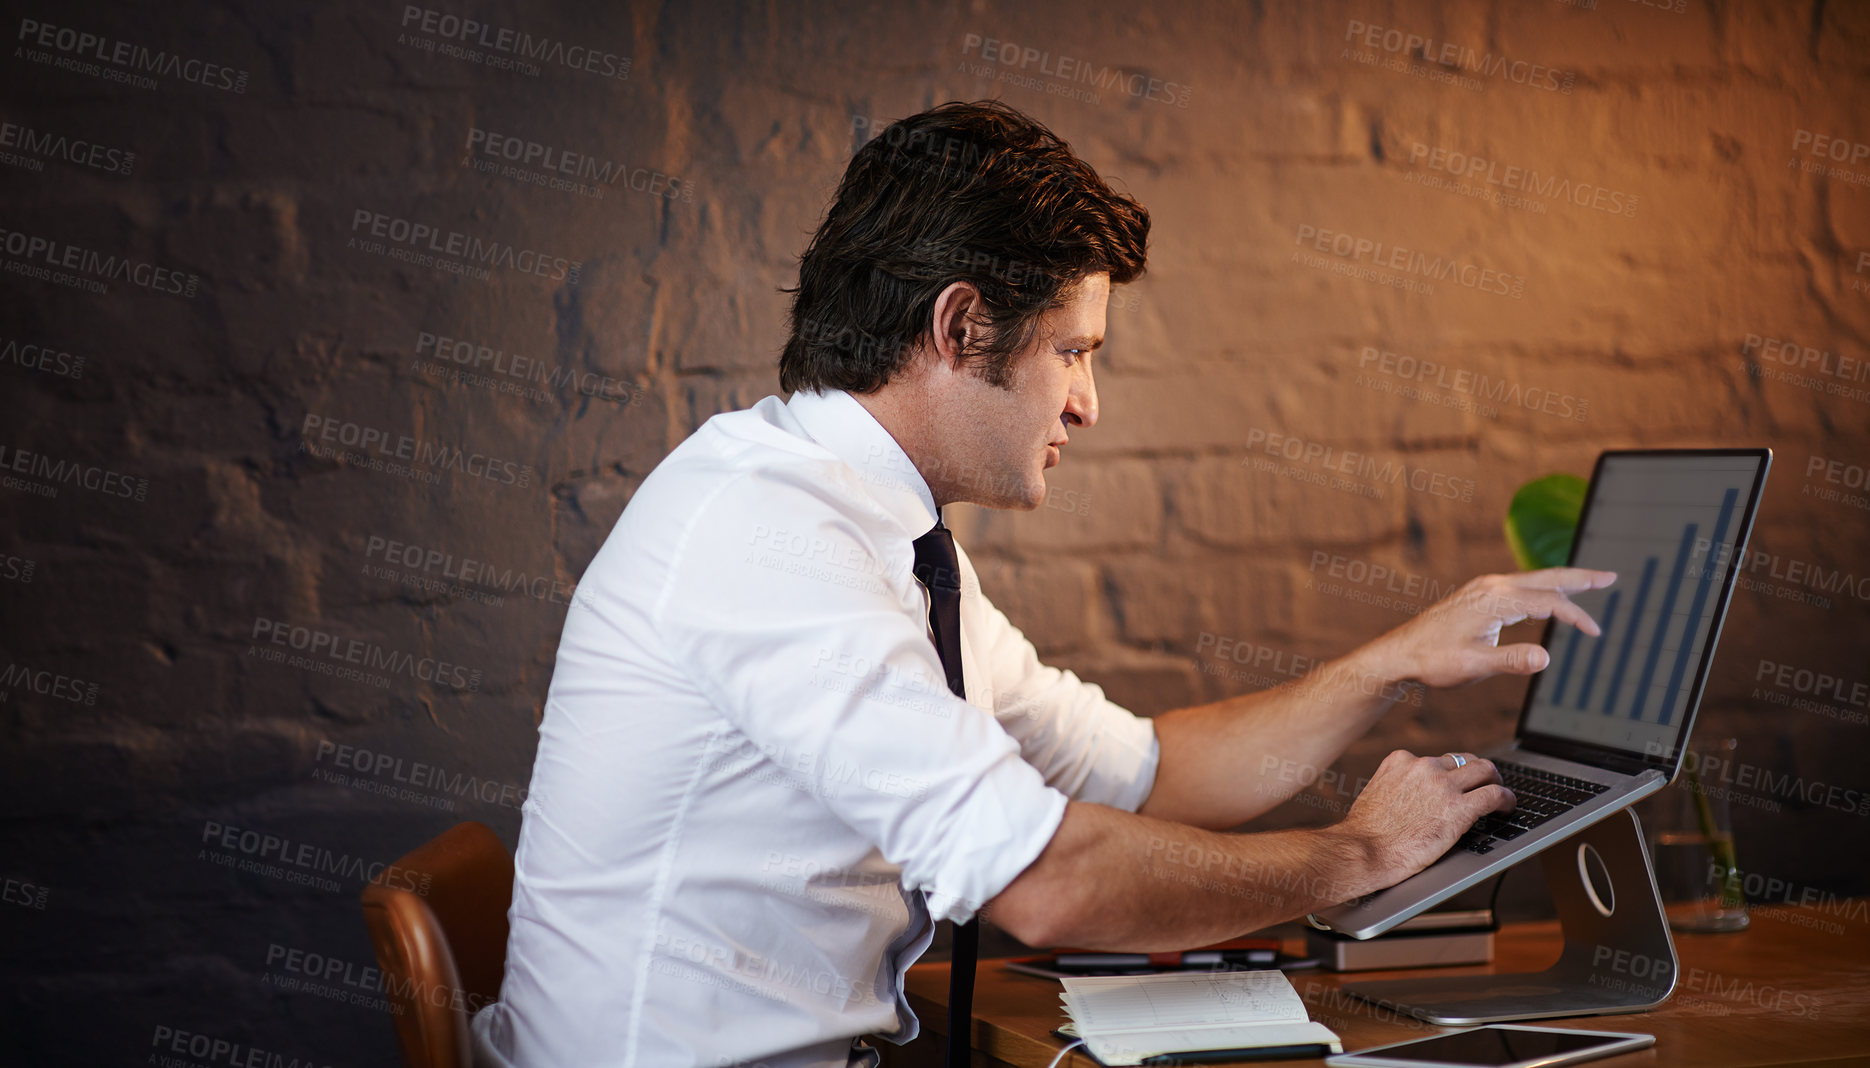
{"x": 1123, "y": 760}
{"x": 996, "y": 869}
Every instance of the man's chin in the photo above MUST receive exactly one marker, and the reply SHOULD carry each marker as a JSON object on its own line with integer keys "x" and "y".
{"x": 1022, "y": 500}
{"x": 1009, "y": 495}
{"x": 1036, "y": 497}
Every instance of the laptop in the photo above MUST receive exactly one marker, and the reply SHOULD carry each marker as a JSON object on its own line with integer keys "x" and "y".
{"x": 1607, "y": 722}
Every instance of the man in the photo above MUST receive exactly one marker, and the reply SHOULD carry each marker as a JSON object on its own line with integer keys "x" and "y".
{"x": 756, "y": 790}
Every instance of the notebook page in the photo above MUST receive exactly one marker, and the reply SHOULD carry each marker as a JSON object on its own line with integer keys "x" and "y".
{"x": 1142, "y": 1002}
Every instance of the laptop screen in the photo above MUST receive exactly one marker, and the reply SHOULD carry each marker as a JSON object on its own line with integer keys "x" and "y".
{"x": 1671, "y": 525}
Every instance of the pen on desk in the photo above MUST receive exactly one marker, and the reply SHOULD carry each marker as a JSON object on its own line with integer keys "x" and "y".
{"x": 1257, "y": 1053}
{"x": 1186, "y": 959}
{"x": 1261, "y": 1053}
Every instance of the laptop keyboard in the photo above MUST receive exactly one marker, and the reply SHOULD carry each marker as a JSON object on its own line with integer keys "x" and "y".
{"x": 1542, "y": 795}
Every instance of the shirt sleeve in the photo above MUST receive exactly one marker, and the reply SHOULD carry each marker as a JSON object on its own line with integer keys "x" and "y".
{"x": 1085, "y": 745}
{"x": 791, "y": 605}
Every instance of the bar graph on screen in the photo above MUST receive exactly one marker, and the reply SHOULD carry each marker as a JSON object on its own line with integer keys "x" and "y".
{"x": 1670, "y": 535}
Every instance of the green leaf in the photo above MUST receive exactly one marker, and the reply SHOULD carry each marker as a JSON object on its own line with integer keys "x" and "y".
{"x": 1542, "y": 519}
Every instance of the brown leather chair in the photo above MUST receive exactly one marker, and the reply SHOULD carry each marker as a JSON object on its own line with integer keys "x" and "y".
{"x": 438, "y": 920}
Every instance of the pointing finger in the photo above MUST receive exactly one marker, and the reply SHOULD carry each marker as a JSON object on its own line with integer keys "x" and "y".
{"x": 1538, "y": 603}
{"x": 1568, "y": 611}
{"x": 1565, "y": 578}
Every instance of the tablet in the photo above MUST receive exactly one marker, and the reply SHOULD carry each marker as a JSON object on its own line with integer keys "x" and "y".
{"x": 1496, "y": 1046}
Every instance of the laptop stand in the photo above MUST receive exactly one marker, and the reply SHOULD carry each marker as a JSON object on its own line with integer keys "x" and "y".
{"x": 1618, "y": 955}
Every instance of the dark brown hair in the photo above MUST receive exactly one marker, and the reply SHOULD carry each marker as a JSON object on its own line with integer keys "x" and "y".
{"x": 973, "y": 193}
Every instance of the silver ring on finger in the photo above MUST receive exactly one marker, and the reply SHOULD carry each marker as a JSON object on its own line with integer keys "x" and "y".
{"x": 1459, "y": 760}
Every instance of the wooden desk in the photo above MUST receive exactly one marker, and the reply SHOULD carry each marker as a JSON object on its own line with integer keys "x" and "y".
{"x": 1789, "y": 990}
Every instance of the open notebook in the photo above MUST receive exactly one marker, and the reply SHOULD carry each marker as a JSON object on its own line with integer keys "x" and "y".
{"x": 1125, "y": 1019}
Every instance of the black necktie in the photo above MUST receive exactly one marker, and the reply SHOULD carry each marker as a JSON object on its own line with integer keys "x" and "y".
{"x": 940, "y": 570}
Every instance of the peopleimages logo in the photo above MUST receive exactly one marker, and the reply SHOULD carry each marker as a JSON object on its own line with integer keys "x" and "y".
{"x": 1361, "y": 465}
{"x": 1523, "y": 180}
{"x": 420, "y": 774}
{"x": 48, "y": 684}
{"x": 42, "y": 145}
{"x": 1815, "y": 683}
{"x": 270, "y": 850}
{"x": 1069, "y": 69}
{"x": 38, "y": 465}
{"x": 1827, "y": 149}
{"x": 16, "y": 568}
{"x": 1359, "y": 250}
{"x": 1716, "y": 775}
{"x": 80, "y": 46}
{"x": 465, "y": 34}
{"x": 328, "y": 437}
{"x": 47, "y": 259}
{"x": 1463, "y": 57}
{"x": 323, "y": 975}
{"x": 1812, "y": 576}
{"x": 208, "y": 1049}
{"x": 554, "y": 165}
{"x": 370, "y": 655}
{"x": 496, "y": 369}
{"x": 1501, "y": 391}
{"x": 42, "y": 358}
{"x": 422, "y": 563}
{"x": 420, "y": 242}
{"x": 1799, "y": 365}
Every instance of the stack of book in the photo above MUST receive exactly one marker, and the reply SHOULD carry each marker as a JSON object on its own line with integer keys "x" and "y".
{"x": 1456, "y": 936}
{"x": 1236, "y": 955}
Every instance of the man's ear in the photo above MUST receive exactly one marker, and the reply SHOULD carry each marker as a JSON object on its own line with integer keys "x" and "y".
{"x": 955, "y": 329}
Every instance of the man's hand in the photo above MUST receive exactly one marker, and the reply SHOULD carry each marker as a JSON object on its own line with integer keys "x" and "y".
{"x": 1456, "y": 641}
{"x": 1415, "y": 807}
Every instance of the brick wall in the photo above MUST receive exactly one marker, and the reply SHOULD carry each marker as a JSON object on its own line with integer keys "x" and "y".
{"x": 1715, "y": 209}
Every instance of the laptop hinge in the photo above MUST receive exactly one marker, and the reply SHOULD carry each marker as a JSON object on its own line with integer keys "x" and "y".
{"x": 1610, "y": 759}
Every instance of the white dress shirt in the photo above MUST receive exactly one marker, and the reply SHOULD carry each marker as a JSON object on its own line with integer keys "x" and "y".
{"x": 753, "y": 788}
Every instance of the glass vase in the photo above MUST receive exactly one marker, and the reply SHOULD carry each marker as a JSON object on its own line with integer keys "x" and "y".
{"x": 1691, "y": 845}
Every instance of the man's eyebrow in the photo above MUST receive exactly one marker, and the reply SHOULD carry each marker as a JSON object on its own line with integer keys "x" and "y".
{"x": 1084, "y": 341}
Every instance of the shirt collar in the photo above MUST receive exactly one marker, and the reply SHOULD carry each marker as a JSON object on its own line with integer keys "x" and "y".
{"x": 835, "y": 420}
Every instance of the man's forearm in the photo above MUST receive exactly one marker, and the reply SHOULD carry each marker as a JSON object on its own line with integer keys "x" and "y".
{"x": 1224, "y": 763}
{"x": 1116, "y": 881}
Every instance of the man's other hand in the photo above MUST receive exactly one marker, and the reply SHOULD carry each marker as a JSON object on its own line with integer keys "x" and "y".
{"x": 1415, "y": 807}
{"x": 1457, "y": 640}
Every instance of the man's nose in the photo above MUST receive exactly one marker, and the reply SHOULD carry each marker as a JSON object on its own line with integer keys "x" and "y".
{"x": 1081, "y": 402}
